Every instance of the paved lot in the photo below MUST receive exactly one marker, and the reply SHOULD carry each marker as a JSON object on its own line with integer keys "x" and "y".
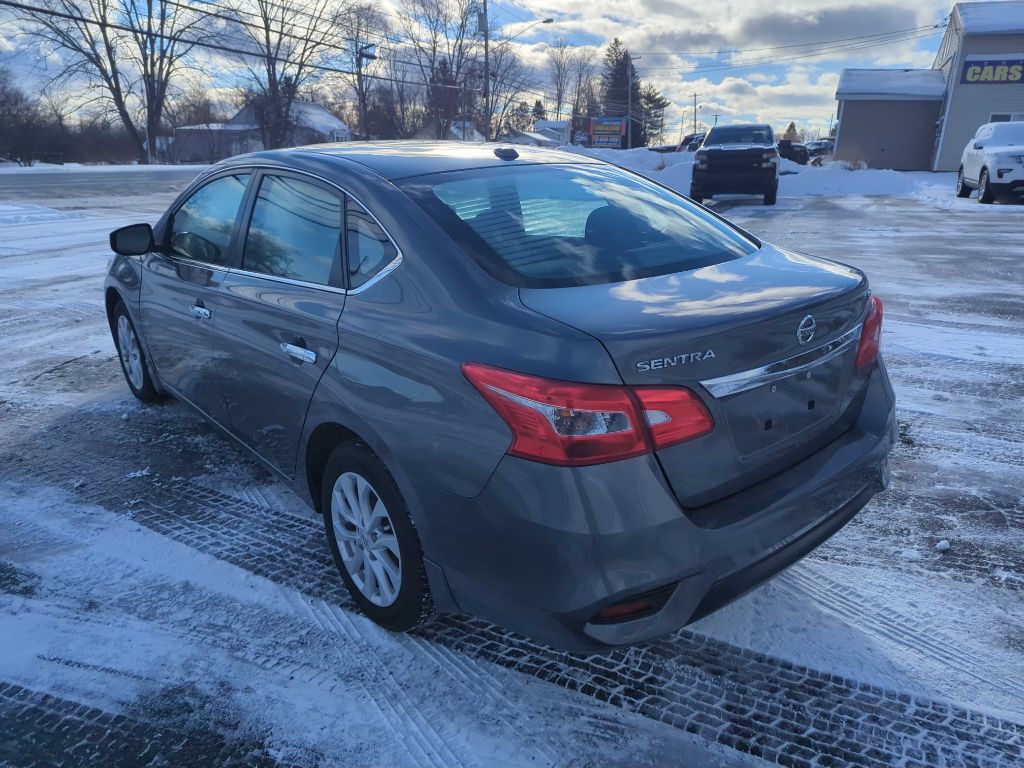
{"x": 164, "y": 601}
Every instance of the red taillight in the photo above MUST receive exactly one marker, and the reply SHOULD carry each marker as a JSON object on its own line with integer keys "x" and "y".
{"x": 673, "y": 415}
{"x": 571, "y": 424}
{"x": 871, "y": 334}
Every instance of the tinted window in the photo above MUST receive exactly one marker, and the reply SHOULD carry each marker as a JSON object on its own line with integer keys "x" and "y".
{"x": 558, "y": 225}
{"x": 369, "y": 248}
{"x": 740, "y": 134}
{"x": 201, "y": 229}
{"x": 294, "y": 231}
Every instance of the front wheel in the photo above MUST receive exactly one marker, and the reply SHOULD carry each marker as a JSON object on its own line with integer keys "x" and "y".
{"x": 373, "y": 539}
{"x": 132, "y": 356}
{"x": 695, "y": 195}
{"x": 985, "y": 195}
{"x": 770, "y": 195}
{"x": 962, "y": 190}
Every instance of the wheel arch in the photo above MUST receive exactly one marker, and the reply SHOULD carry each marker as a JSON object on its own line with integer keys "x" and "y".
{"x": 110, "y": 298}
{"x": 322, "y": 442}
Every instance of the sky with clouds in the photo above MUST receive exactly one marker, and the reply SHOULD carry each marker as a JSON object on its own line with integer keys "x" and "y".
{"x": 768, "y": 62}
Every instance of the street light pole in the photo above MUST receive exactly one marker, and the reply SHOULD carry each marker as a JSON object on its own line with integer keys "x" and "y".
{"x": 487, "y": 74}
{"x": 361, "y": 55}
{"x": 629, "y": 100}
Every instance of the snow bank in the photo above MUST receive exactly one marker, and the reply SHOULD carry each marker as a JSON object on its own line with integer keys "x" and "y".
{"x": 77, "y": 168}
{"x": 837, "y": 179}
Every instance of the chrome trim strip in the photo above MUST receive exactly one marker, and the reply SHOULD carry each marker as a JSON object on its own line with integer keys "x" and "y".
{"x": 287, "y": 280}
{"x": 756, "y": 377}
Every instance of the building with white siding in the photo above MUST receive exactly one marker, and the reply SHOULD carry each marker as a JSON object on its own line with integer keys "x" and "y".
{"x": 921, "y": 119}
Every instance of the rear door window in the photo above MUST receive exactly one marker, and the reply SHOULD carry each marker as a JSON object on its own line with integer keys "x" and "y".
{"x": 202, "y": 227}
{"x": 368, "y": 247}
{"x": 294, "y": 232}
{"x": 558, "y": 225}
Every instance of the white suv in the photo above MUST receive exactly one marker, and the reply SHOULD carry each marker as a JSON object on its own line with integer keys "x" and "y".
{"x": 993, "y": 162}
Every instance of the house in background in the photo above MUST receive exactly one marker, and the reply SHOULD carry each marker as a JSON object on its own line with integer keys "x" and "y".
{"x": 460, "y": 130}
{"x": 531, "y": 138}
{"x": 210, "y": 142}
{"x": 559, "y": 131}
{"x": 921, "y": 119}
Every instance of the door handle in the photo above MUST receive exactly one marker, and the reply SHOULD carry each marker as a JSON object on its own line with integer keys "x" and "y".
{"x": 297, "y": 353}
{"x": 200, "y": 313}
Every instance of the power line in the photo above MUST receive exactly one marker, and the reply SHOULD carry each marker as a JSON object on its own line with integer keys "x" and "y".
{"x": 794, "y": 45}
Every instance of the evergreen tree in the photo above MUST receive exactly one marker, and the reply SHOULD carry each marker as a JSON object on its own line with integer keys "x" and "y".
{"x": 539, "y": 113}
{"x": 653, "y": 105}
{"x": 617, "y": 81}
{"x": 791, "y": 133}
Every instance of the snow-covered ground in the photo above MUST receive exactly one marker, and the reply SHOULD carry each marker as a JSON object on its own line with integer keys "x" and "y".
{"x": 161, "y": 591}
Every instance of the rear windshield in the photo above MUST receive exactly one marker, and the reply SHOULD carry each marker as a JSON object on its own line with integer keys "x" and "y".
{"x": 740, "y": 134}
{"x": 546, "y": 226}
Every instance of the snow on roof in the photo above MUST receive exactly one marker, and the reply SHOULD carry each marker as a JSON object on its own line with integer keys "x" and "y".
{"x": 923, "y": 84}
{"x": 314, "y": 116}
{"x": 218, "y": 127}
{"x": 991, "y": 18}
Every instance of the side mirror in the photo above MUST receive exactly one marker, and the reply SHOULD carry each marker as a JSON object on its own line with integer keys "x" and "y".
{"x": 133, "y": 240}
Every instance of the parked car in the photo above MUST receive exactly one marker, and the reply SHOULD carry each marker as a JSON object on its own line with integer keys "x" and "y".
{"x": 664, "y": 148}
{"x": 739, "y": 159}
{"x": 820, "y": 147}
{"x": 690, "y": 142}
{"x": 794, "y": 151}
{"x": 517, "y": 383}
{"x": 993, "y": 163}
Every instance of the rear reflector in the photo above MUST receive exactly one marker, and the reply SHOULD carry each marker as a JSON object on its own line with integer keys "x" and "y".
{"x": 635, "y": 607}
{"x": 871, "y": 334}
{"x": 622, "y": 611}
{"x": 571, "y": 424}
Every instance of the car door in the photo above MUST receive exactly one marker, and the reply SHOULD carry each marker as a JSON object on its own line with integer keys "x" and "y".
{"x": 180, "y": 297}
{"x": 974, "y": 157}
{"x": 280, "y": 310}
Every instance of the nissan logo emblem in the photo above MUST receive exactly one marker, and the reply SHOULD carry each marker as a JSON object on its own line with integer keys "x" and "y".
{"x": 805, "y": 331}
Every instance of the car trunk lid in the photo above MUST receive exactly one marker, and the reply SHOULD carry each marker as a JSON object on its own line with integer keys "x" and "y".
{"x": 730, "y": 333}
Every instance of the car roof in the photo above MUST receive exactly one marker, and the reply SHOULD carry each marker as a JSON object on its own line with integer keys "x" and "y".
{"x": 401, "y": 159}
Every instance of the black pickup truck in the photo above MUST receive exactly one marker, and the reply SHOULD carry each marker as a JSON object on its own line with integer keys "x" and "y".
{"x": 739, "y": 159}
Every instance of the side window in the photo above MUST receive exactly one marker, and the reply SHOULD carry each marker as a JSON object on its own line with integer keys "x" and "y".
{"x": 201, "y": 228}
{"x": 369, "y": 249}
{"x": 294, "y": 232}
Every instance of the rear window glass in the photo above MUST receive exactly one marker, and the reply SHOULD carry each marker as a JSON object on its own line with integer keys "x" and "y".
{"x": 740, "y": 134}
{"x": 1008, "y": 133}
{"x": 542, "y": 226}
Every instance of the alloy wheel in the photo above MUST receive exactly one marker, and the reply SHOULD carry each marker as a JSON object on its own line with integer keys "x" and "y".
{"x": 131, "y": 355}
{"x": 366, "y": 539}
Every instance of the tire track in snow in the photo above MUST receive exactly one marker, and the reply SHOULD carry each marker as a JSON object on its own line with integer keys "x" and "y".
{"x": 889, "y": 624}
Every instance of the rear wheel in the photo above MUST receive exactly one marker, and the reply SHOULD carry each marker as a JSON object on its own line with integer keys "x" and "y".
{"x": 984, "y": 188}
{"x": 132, "y": 356}
{"x": 373, "y": 539}
{"x": 770, "y": 195}
{"x": 695, "y": 195}
{"x": 962, "y": 190}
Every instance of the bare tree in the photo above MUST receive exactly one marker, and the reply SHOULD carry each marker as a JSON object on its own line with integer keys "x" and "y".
{"x": 510, "y": 78}
{"x": 584, "y": 91}
{"x": 400, "y": 97}
{"x": 560, "y": 65}
{"x": 290, "y": 39}
{"x": 130, "y": 50}
{"x": 365, "y": 26}
{"x": 444, "y": 49}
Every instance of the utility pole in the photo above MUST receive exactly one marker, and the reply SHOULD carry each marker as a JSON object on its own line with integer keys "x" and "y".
{"x": 361, "y": 55}
{"x": 484, "y": 21}
{"x": 629, "y": 100}
{"x": 695, "y": 94}
{"x": 716, "y": 116}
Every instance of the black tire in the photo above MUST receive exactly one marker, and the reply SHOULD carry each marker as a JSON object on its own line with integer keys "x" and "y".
{"x": 985, "y": 195}
{"x": 962, "y": 190}
{"x": 142, "y": 387}
{"x": 413, "y": 607}
{"x": 770, "y": 195}
{"x": 695, "y": 195}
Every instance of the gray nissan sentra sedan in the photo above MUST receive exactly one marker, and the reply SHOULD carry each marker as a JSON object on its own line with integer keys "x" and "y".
{"x": 521, "y": 384}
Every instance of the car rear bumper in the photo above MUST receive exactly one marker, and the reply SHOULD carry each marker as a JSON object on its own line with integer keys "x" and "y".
{"x": 543, "y": 549}
{"x": 714, "y": 182}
